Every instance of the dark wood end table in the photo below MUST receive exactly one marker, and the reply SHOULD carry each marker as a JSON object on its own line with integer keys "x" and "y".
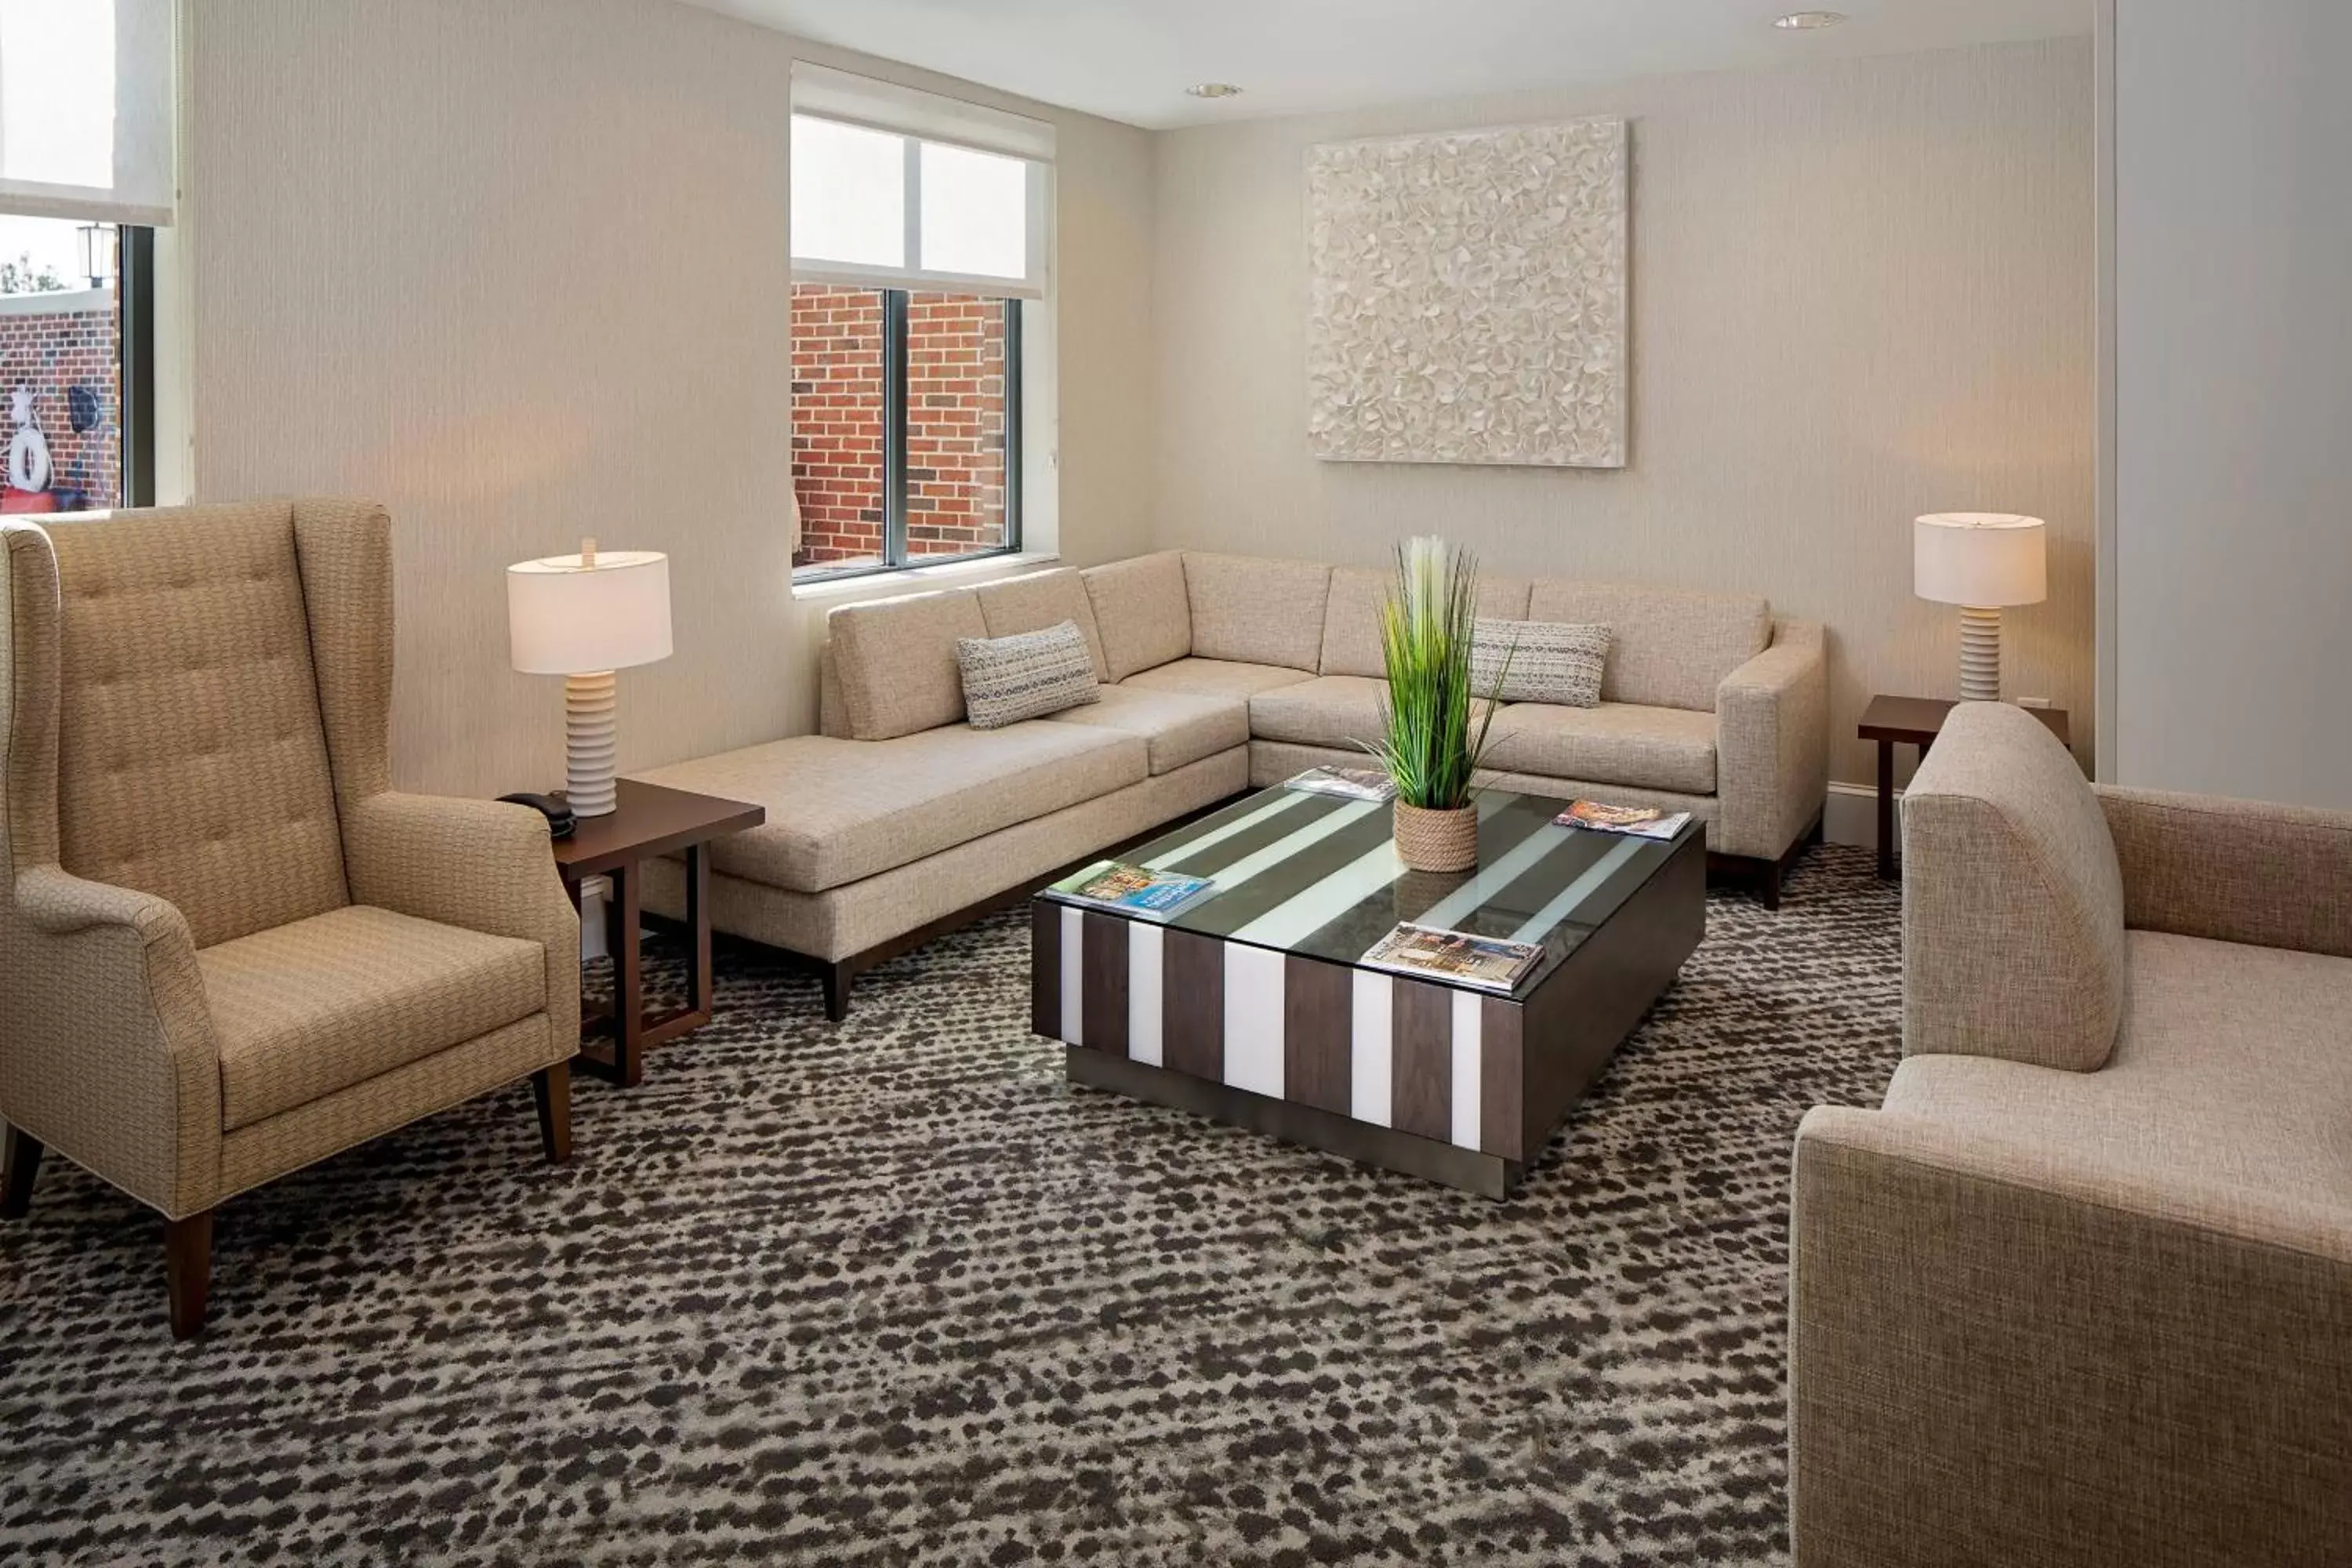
{"x": 650, "y": 822}
{"x": 1894, "y": 721}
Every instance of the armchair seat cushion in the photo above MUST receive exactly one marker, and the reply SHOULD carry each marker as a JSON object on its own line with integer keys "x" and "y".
{"x": 1616, "y": 743}
{"x": 303, "y": 1010}
{"x": 2231, "y": 1071}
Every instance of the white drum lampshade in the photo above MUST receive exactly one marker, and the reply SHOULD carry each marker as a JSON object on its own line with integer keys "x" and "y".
{"x": 584, "y": 617}
{"x": 1980, "y": 561}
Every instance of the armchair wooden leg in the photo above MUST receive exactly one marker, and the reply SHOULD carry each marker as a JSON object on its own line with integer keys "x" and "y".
{"x": 552, "y": 1087}
{"x": 20, "y": 1162}
{"x": 188, "y": 1270}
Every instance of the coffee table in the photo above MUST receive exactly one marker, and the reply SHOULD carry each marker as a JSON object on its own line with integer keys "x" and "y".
{"x": 1250, "y": 1007}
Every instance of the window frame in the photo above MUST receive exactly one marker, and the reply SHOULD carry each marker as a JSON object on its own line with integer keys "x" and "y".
{"x": 134, "y": 295}
{"x": 895, "y": 555}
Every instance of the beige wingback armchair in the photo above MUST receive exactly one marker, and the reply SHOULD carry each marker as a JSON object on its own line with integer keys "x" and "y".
{"x": 2080, "y": 1291}
{"x": 228, "y": 947}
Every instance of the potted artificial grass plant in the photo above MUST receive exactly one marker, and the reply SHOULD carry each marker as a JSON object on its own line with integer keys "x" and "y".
{"x": 1430, "y": 742}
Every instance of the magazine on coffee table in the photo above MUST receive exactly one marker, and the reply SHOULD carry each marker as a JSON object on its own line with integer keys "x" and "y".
{"x": 1426, "y": 953}
{"x": 1635, "y": 821}
{"x": 1353, "y": 783}
{"x": 1136, "y": 890}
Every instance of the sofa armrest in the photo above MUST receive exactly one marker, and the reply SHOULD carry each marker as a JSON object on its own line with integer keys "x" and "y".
{"x": 484, "y": 865}
{"x": 2234, "y": 871}
{"x": 2004, "y": 1354}
{"x": 107, "y": 1051}
{"x": 1772, "y": 744}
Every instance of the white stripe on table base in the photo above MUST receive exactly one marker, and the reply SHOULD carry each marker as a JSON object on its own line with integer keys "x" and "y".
{"x": 1253, "y": 1022}
{"x": 1468, "y": 1013}
{"x": 1372, "y": 1050}
{"x": 1143, "y": 992}
{"x": 1073, "y": 936}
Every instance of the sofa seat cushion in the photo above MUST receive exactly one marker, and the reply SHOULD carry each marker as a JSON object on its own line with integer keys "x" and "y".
{"x": 1342, "y": 710}
{"x": 1215, "y": 678}
{"x": 2230, "y": 1069}
{"x": 1616, "y": 743}
{"x": 1178, "y": 727}
{"x": 303, "y": 1010}
{"x": 840, "y": 811}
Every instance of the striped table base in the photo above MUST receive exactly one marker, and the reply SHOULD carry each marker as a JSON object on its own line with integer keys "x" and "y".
{"x": 1447, "y": 1083}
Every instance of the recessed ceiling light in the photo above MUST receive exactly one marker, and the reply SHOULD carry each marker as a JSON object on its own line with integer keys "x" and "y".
{"x": 1808, "y": 21}
{"x": 1212, "y": 89}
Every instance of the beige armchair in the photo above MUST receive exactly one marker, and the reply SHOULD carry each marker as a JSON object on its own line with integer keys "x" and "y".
{"x": 227, "y": 948}
{"x": 2080, "y": 1291}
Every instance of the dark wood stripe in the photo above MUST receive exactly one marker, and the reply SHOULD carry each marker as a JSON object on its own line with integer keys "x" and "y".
{"x": 1046, "y": 969}
{"x": 1500, "y": 1121}
{"x": 1102, "y": 982}
{"x": 1421, "y": 1070}
{"x": 1317, "y": 1017}
{"x": 1192, "y": 1003}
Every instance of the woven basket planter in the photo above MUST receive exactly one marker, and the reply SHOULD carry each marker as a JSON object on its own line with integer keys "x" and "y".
{"x": 1437, "y": 840}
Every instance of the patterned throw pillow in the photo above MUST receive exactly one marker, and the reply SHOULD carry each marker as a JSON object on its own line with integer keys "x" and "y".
{"x": 1549, "y": 661}
{"x": 1006, "y": 679}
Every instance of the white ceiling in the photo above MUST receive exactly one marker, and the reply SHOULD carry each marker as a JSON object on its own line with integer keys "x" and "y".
{"x": 1131, "y": 59}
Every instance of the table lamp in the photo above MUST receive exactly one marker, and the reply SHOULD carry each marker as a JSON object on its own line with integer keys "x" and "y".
{"x": 1980, "y": 561}
{"x": 584, "y": 617}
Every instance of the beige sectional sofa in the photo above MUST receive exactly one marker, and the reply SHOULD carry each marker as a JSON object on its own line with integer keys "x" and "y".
{"x": 1220, "y": 673}
{"x": 2081, "y": 1291}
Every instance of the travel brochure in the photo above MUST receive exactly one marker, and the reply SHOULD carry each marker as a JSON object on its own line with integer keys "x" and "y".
{"x": 1354, "y": 783}
{"x": 1137, "y": 889}
{"x": 1428, "y": 954}
{"x": 1635, "y": 821}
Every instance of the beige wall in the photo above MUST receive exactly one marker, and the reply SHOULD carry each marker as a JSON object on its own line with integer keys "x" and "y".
{"x": 518, "y": 270}
{"x": 1861, "y": 291}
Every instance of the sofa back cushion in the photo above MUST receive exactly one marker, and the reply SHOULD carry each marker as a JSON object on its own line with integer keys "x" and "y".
{"x": 192, "y": 760}
{"x": 1668, "y": 647}
{"x": 1352, "y": 618}
{"x": 1041, "y": 599}
{"x": 1140, "y": 614}
{"x": 2012, "y": 899}
{"x": 1251, "y": 610}
{"x": 895, "y": 661}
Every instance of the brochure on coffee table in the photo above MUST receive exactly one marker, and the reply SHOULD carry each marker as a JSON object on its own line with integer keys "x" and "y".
{"x": 1635, "y": 821}
{"x": 1428, "y": 954}
{"x": 1136, "y": 890}
{"x": 1354, "y": 783}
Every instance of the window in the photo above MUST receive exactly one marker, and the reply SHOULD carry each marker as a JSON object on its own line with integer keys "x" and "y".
{"x": 920, "y": 247}
{"x": 78, "y": 398}
{"x": 85, "y": 175}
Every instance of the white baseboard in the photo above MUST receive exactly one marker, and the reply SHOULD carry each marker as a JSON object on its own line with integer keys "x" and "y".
{"x": 1850, "y": 816}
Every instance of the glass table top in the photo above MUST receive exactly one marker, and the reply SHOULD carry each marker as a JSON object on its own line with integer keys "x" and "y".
{"x": 1317, "y": 875}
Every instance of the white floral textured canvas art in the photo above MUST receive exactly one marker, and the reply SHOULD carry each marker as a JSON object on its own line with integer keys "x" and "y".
{"x": 1467, "y": 296}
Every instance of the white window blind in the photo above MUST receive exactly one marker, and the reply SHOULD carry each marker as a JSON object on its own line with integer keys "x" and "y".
{"x": 86, "y": 110}
{"x": 894, "y": 188}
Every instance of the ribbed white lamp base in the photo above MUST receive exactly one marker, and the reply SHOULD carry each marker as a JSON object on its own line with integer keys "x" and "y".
{"x": 589, "y": 741}
{"x": 1979, "y": 655}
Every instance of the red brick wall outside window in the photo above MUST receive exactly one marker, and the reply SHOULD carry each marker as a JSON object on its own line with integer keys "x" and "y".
{"x": 52, "y": 350}
{"x": 956, "y": 425}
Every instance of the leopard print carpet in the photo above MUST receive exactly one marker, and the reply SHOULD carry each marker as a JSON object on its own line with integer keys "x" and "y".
{"x": 891, "y": 1293}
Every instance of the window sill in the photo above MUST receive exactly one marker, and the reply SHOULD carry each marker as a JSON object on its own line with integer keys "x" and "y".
{"x": 910, "y": 579}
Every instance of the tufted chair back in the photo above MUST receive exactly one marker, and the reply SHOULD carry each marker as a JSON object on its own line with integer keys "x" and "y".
{"x": 193, "y": 756}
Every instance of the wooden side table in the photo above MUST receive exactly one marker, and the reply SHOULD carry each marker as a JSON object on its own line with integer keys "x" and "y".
{"x": 1894, "y": 721}
{"x": 651, "y": 821}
